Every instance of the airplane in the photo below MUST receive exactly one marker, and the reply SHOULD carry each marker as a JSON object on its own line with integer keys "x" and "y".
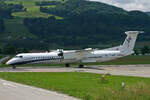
{"x": 78, "y": 56}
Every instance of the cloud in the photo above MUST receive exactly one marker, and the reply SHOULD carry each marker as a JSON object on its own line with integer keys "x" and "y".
{"x": 124, "y": 1}
{"x": 142, "y": 5}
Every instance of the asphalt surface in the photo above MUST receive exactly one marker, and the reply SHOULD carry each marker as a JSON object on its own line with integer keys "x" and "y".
{"x": 126, "y": 70}
{"x": 15, "y": 91}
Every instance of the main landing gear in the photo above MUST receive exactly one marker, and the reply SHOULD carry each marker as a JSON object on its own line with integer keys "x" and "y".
{"x": 13, "y": 67}
{"x": 81, "y": 66}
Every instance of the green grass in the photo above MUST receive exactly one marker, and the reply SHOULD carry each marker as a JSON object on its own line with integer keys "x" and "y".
{"x": 86, "y": 86}
{"x": 33, "y": 11}
{"x": 50, "y": 6}
{"x": 12, "y": 2}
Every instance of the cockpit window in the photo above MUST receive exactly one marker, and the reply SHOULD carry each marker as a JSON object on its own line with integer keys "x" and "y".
{"x": 18, "y": 56}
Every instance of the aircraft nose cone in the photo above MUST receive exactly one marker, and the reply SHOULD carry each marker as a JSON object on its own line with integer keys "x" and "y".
{"x": 11, "y": 61}
{"x": 8, "y": 62}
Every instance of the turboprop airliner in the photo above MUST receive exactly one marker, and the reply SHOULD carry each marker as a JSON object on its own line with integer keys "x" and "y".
{"x": 79, "y": 56}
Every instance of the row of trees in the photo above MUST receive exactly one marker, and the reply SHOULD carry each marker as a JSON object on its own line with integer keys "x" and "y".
{"x": 144, "y": 51}
{"x": 12, "y": 50}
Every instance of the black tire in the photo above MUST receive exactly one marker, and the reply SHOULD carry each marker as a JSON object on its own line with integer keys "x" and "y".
{"x": 67, "y": 65}
{"x": 14, "y": 67}
{"x": 81, "y": 66}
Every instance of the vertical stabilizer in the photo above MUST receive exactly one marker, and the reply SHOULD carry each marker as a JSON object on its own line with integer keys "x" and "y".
{"x": 129, "y": 43}
{"x": 130, "y": 40}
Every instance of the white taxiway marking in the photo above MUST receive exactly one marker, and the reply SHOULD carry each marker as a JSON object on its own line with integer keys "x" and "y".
{"x": 9, "y": 84}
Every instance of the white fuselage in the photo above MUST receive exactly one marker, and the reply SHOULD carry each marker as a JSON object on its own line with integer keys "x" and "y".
{"x": 68, "y": 57}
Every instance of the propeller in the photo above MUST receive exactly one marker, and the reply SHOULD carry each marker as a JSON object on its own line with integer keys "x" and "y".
{"x": 61, "y": 53}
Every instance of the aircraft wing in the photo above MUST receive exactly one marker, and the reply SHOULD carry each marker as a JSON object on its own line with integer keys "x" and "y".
{"x": 88, "y": 50}
{"x": 117, "y": 48}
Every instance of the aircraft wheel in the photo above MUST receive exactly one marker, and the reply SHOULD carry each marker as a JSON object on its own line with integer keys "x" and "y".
{"x": 67, "y": 65}
{"x": 14, "y": 67}
{"x": 81, "y": 66}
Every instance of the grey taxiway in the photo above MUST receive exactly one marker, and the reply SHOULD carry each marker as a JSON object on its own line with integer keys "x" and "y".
{"x": 126, "y": 70}
{"x": 14, "y": 91}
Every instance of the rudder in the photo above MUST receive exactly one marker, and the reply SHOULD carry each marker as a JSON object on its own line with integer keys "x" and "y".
{"x": 130, "y": 40}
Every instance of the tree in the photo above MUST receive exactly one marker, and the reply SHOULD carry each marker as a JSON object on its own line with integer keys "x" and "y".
{"x": 9, "y": 50}
{"x": 145, "y": 50}
{"x": 136, "y": 52}
{"x": 22, "y": 50}
{"x": 52, "y": 18}
{"x": 0, "y": 50}
{"x": 1, "y": 26}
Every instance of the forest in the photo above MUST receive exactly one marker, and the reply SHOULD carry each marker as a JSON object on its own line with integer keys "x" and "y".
{"x": 87, "y": 23}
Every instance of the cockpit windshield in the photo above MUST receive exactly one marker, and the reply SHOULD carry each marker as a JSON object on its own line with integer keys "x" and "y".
{"x": 18, "y": 56}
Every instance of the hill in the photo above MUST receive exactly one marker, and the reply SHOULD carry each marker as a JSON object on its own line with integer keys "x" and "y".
{"x": 68, "y": 24}
{"x": 148, "y": 13}
{"x": 87, "y": 24}
{"x": 78, "y": 7}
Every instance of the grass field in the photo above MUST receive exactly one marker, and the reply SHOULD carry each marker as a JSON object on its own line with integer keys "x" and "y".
{"x": 33, "y": 11}
{"x": 86, "y": 86}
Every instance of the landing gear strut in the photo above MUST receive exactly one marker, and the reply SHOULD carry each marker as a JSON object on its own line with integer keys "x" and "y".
{"x": 81, "y": 66}
{"x": 14, "y": 67}
{"x": 67, "y": 65}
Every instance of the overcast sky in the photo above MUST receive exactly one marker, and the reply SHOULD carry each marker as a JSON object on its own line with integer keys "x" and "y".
{"x": 143, "y": 5}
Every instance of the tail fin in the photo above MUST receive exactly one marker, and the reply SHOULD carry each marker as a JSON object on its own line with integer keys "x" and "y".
{"x": 129, "y": 43}
{"x": 130, "y": 40}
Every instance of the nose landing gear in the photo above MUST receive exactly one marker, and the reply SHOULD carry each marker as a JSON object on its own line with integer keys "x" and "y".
{"x": 67, "y": 65}
{"x": 13, "y": 67}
